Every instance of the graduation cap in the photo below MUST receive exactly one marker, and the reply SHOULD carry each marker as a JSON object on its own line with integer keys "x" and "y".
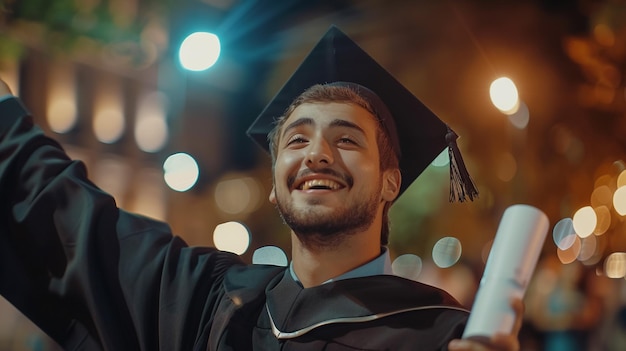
{"x": 420, "y": 135}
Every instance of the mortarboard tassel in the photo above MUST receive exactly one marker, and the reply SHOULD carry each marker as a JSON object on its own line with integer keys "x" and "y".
{"x": 461, "y": 184}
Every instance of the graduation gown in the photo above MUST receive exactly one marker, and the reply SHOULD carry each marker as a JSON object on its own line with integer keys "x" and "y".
{"x": 95, "y": 277}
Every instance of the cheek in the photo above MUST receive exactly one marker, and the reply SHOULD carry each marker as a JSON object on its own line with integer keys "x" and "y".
{"x": 286, "y": 163}
{"x": 362, "y": 165}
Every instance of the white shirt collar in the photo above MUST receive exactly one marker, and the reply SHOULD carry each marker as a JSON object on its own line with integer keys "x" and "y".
{"x": 379, "y": 265}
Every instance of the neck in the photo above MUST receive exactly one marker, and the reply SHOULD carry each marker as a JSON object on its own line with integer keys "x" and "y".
{"x": 315, "y": 264}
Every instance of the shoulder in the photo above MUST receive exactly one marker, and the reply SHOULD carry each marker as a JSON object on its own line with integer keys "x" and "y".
{"x": 254, "y": 276}
{"x": 412, "y": 313}
{"x": 12, "y": 109}
{"x": 396, "y": 290}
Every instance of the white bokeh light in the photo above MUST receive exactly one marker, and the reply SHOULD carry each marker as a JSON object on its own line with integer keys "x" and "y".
{"x": 271, "y": 255}
{"x": 447, "y": 252}
{"x": 585, "y": 221}
{"x": 232, "y": 237}
{"x": 199, "y": 51}
{"x": 504, "y": 95}
{"x": 407, "y": 266}
{"x": 615, "y": 265}
{"x": 619, "y": 200}
{"x": 180, "y": 171}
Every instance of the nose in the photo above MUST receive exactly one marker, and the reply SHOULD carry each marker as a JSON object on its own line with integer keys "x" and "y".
{"x": 319, "y": 153}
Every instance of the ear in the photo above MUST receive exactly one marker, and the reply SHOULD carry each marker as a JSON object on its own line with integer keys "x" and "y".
{"x": 272, "y": 196}
{"x": 391, "y": 184}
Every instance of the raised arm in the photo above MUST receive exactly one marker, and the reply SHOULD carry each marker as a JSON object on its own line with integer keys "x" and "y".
{"x": 90, "y": 275}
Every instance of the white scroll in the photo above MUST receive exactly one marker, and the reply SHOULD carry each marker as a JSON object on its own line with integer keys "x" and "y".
{"x": 510, "y": 266}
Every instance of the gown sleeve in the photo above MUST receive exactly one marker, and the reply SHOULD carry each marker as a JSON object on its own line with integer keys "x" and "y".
{"x": 90, "y": 275}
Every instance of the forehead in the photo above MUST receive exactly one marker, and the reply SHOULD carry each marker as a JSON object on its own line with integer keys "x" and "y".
{"x": 332, "y": 114}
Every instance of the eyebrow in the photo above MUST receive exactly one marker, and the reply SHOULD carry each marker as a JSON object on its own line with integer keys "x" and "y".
{"x": 311, "y": 121}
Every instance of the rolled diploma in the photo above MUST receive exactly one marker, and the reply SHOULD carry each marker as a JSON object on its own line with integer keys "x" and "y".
{"x": 510, "y": 266}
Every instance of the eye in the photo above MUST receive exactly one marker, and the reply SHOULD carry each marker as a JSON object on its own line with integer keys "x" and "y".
{"x": 296, "y": 139}
{"x": 347, "y": 140}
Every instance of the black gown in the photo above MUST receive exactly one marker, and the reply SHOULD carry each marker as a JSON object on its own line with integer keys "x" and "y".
{"x": 95, "y": 277}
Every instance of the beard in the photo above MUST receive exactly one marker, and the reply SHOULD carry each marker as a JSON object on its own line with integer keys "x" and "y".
{"x": 317, "y": 228}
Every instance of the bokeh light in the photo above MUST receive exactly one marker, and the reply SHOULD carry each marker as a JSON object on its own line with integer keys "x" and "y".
{"x": 108, "y": 114}
{"x": 237, "y": 195}
{"x": 151, "y": 130}
{"x": 150, "y": 133}
{"x": 585, "y": 221}
{"x": 180, "y": 171}
{"x": 108, "y": 124}
{"x": 232, "y": 237}
{"x": 604, "y": 179}
{"x": 61, "y": 109}
{"x": 199, "y": 51}
{"x": 442, "y": 160}
{"x": 447, "y": 252}
{"x": 615, "y": 265}
{"x": 603, "y": 215}
{"x": 521, "y": 117}
{"x": 588, "y": 248}
{"x": 619, "y": 200}
{"x": 407, "y": 266}
{"x": 621, "y": 179}
{"x": 603, "y": 34}
{"x": 271, "y": 255}
{"x": 602, "y": 196}
{"x": 570, "y": 254}
{"x": 564, "y": 234}
{"x": 61, "y": 113}
{"x": 504, "y": 95}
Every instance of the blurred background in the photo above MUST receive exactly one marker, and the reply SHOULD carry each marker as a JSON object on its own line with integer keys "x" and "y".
{"x": 160, "y": 119}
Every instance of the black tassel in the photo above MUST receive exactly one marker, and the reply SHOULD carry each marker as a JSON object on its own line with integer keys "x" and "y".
{"x": 461, "y": 184}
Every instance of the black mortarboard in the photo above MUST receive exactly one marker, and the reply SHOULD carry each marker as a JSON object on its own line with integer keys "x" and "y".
{"x": 421, "y": 135}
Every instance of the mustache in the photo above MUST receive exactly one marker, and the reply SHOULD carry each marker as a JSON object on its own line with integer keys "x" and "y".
{"x": 327, "y": 171}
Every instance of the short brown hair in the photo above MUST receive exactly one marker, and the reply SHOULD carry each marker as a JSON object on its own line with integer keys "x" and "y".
{"x": 389, "y": 159}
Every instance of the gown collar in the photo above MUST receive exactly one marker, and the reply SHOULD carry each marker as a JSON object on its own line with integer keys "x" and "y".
{"x": 294, "y": 311}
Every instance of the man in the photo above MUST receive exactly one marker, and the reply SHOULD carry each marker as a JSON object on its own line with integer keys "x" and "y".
{"x": 95, "y": 277}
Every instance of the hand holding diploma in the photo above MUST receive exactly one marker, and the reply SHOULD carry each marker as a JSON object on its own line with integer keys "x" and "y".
{"x": 496, "y": 315}
{"x": 497, "y": 342}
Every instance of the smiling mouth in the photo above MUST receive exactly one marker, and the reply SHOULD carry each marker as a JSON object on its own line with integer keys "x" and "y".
{"x": 319, "y": 184}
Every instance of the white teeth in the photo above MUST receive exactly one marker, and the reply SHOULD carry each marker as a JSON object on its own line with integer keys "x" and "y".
{"x": 320, "y": 183}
